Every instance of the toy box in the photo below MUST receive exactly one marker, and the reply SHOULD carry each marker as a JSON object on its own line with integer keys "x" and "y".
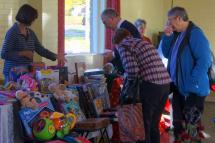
{"x": 46, "y": 77}
{"x": 29, "y": 116}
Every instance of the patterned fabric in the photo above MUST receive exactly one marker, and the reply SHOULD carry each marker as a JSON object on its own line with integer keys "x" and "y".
{"x": 149, "y": 64}
{"x": 6, "y": 128}
{"x": 131, "y": 125}
{"x": 15, "y": 42}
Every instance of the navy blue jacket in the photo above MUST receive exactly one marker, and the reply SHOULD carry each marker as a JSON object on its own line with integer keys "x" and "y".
{"x": 15, "y": 42}
{"x": 135, "y": 33}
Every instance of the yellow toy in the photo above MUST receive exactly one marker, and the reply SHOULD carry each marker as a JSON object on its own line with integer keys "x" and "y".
{"x": 63, "y": 123}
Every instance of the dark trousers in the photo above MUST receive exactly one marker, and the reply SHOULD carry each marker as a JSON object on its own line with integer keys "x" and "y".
{"x": 181, "y": 103}
{"x": 153, "y": 99}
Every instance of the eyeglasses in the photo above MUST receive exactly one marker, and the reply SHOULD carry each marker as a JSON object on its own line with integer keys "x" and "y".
{"x": 170, "y": 19}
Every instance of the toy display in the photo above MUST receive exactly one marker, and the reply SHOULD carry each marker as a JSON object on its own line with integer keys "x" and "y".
{"x": 73, "y": 107}
{"x": 44, "y": 129}
{"x": 48, "y": 74}
{"x": 39, "y": 119}
{"x": 29, "y": 116}
{"x": 60, "y": 93}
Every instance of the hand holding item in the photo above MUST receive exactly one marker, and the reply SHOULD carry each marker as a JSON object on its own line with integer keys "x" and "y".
{"x": 168, "y": 30}
{"x": 61, "y": 59}
{"x": 27, "y": 54}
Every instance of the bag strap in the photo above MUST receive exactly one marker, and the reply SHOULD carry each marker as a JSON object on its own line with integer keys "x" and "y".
{"x": 184, "y": 42}
{"x": 137, "y": 78}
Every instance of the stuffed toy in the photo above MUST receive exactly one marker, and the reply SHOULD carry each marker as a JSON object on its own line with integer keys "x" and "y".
{"x": 60, "y": 93}
{"x": 26, "y": 100}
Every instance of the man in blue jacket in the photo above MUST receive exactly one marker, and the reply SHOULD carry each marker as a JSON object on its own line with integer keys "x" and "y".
{"x": 189, "y": 58}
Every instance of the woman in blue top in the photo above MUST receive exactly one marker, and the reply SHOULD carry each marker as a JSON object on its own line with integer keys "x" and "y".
{"x": 20, "y": 42}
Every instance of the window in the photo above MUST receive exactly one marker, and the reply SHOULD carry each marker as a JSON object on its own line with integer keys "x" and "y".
{"x": 84, "y": 31}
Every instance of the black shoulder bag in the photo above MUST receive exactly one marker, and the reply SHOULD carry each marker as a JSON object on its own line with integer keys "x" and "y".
{"x": 130, "y": 93}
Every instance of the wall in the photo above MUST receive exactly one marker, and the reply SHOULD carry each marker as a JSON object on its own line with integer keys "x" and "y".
{"x": 50, "y": 27}
{"x": 150, "y": 10}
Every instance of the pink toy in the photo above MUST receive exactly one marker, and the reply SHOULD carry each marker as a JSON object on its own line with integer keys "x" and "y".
{"x": 27, "y": 82}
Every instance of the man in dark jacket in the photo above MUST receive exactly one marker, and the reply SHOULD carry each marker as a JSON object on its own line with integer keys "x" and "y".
{"x": 112, "y": 20}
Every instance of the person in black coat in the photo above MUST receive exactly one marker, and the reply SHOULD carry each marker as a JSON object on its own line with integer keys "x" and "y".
{"x": 112, "y": 20}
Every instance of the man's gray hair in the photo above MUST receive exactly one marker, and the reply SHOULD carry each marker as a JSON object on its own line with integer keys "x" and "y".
{"x": 109, "y": 13}
{"x": 139, "y": 22}
{"x": 178, "y": 11}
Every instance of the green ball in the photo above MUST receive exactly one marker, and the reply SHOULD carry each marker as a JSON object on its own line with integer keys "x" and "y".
{"x": 44, "y": 130}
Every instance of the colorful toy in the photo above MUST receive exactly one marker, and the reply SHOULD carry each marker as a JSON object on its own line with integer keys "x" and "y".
{"x": 11, "y": 85}
{"x": 29, "y": 116}
{"x": 26, "y": 100}
{"x": 44, "y": 85}
{"x": 44, "y": 129}
{"x": 17, "y": 71}
{"x": 60, "y": 93}
{"x": 63, "y": 123}
{"x": 74, "y": 108}
{"x": 27, "y": 82}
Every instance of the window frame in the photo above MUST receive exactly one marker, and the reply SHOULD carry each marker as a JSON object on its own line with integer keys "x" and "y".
{"x": 97, "y": 29}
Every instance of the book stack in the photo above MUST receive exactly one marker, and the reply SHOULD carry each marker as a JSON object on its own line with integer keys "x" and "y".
{"x": 94, "y": 76}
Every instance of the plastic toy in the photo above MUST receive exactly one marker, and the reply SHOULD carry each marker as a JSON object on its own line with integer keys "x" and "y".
{"x": 63, "y": 123}
{"x": 44, "y": 129}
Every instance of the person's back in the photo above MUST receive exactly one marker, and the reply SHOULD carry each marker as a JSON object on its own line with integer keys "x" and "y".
{"x": 150, "y": 65}
{"x": 141, "y": 60}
